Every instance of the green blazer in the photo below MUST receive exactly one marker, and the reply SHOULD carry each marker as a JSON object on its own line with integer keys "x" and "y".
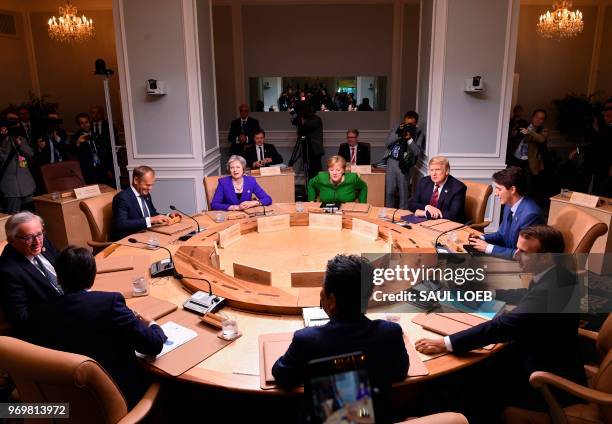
{"x": 344, "y": 192}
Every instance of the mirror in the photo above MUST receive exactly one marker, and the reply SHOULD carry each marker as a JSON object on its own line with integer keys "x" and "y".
{"x": 334, "y": 94}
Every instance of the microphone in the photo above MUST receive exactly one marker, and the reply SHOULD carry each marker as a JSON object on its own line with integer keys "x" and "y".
{"x": 199, "y": 302}
{"x": 437, "y": 243}
{"x": 163, "y": 268}
{"x": 78, "y": 177}
{"x": 393, "y": 216}
{"x": 199, "y": 230}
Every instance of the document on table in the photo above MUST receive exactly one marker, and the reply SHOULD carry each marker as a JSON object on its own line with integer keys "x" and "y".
{"x": 314, "y": 317}
{"x": 177, "y": 336}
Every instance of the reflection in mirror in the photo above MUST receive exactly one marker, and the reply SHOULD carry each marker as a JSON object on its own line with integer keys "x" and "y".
{"x": 348, "y": 94}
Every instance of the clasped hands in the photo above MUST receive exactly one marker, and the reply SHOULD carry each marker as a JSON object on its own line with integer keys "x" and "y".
{"x": 434, "y": 212}
{"x": 245, "y": 205}
{"x": 260, "y": 163}
{"x": 163, "y": 219}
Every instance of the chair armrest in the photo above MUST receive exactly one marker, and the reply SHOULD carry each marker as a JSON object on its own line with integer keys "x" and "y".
{"x": 143, "y": 407}
{"x": 98, "y": 244}
{"x": 588, "y": 334}
{"x": 542, "y": 378}
{"x": 480, "y": 226}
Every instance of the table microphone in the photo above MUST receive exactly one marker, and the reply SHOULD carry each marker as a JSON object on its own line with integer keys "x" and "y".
{"x": 437, "y": 244}
{"x": 451, "y": 257}
{"x": 200, "y": 302}
{"x": 393, "y": 216}
{"x": 163, "y": 268}
{"x": 199, "y": 230}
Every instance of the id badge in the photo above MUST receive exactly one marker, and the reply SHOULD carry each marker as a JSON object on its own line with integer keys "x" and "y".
{"x": 23, "y": 162}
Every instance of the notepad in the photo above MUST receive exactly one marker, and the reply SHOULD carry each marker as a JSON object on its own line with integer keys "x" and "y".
{"x": 177, "y": 336}
{"x": 314, "y": 317}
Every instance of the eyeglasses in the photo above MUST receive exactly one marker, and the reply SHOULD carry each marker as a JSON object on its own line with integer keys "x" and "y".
{"x": 32, "y": 238}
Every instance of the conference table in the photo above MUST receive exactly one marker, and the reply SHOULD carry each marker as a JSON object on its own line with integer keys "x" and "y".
{"x": 275, "y": 306}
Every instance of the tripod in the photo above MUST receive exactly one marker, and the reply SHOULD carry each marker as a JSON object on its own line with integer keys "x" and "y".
{"x": 300, "y": 151}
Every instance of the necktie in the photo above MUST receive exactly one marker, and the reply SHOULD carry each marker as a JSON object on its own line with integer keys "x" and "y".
{"x": 242, "y": 127}
{"x": 145, "y": 210}
{"x": 261, "y": 153}
{"x": 353, "y": 156}
{"x": 51, "y": 279}
{"x": 510, "y": 216}
{"x": 434, "y": 197}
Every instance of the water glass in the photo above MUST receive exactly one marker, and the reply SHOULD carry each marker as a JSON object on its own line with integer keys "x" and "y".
{"x": 453, "y": 237}
{"x": 299, "y": 207}
{"x": 139, "y": 286}
{"x": 565, "y": 193}
{"x": 153, "y": 242}
{"x": 219, "y": 217}
{"x": 229, "y": 328}
{"x": 382, "y": 213}
{"x": 55, "y": 195}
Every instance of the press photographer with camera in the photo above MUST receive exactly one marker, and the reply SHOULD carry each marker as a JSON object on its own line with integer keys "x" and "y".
{"x": 310, "y": 126}
{"x": 401, "y": 156}
{"x": 16, "y": 181}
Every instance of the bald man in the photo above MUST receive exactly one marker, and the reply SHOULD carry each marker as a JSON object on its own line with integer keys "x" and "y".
{"x": 242, "y": 131}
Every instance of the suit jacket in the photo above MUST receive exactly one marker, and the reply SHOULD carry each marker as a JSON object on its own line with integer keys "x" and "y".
{"x": 536, "y": 143}
{"x": 250, "y": 127}
{"x": 93, "y": 174}
{"x": 225, "y": 196}
{"x": 22, "y": 285}
{"x": 504, "y": 240}
{"x": 451, "y": 200}
{"x": 127, "y": 216}
{"x": 250, "y": 154}
{"x": 16, "y": 181}
{"x": 363, "y": 153}
{"x": 539, "y": 335}
{"x": 104, "y": 144}
{"x": 43, "y": 157}
{"x": 101, "y": 326}
{"x": 312, "y": 128}
{"x": 381, "y": 341}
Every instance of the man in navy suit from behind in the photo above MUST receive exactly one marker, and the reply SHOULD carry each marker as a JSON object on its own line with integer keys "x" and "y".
{"x": 439, "y": 195}
{"x": 133, "y": 208}
{"x": 520, "y": 212}
{"x": 541, "y": 331}
{"x": 347, "y": 286}
{"x": 96, "y": 324}
{"x": 27, "y": 272}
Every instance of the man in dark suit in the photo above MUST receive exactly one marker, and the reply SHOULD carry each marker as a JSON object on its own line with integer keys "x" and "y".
{"x": 439, "y": 195}
{"x": 347, "y": 286}
{"x": 353, "y": 151}
{"x": 90, "y": 154}
{"x": 262, "y": 153}
{"x": 242, "y": 130}
{"x": 31, "y": 130}
{"x": 133, "y": 208}
{"x": 99, "y": 129}
{"x": 541, "y": 331}
{"x": 27, "y": 273}
{"x": 96, "y": 324}
{"x": 519, "y": 212}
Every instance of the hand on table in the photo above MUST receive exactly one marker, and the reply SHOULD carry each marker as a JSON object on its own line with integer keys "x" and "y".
{"x": 477, "y": 243}
{"x": 430, "y": 346}
{"x": 433, "y": 211}
{"x": 248, "y": 204}
{"x": 159, "y": 220}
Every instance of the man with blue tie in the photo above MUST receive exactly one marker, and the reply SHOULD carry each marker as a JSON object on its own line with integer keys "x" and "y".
{"x": 27, "y": 273}
{"x": 133, "y": 208}
{"x": 520, "y": 212}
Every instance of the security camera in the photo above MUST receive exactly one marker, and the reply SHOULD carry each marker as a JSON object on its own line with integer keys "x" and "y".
{"x": 474, "y": 84}
{"x": 156, "y": 88}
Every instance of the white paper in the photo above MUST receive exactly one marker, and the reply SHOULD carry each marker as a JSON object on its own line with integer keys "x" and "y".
{"x": 314, "y": 317}
{"x": 177, "y": 336}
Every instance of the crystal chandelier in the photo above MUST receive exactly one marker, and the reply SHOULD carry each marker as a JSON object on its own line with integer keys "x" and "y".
{"x": 562, "y": 22}
{"x": 69, "y": 27}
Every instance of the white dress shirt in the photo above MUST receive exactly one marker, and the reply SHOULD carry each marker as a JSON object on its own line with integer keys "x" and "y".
{"x": 148, "y": 219}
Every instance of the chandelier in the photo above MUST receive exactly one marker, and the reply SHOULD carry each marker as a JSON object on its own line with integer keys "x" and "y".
{"x": 69, "y": 27}
{"x": 562, "y": 22}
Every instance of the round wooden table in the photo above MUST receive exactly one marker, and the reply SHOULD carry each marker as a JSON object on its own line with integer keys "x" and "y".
{"x": 276, "y": 307}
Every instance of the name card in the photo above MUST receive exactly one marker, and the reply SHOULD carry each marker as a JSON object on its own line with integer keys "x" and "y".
{"x": 325, "y": 221}
{"x": 269, "y": 170}
{"x": 365, "y": 228}
{"x": 273, "y": 223}
{"x": 583, "y": 199}
{"x": 87, "y": 191}
{"x": 361, "y": 169}
{"x": 229, "y": 235}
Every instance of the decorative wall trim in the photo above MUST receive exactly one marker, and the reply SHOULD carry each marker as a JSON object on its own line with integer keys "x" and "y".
{"x": 286, "y": 138}
{"x": 32, "y": 62}
{"x": 396, "y": 79}
{"x": 238, "y": 47}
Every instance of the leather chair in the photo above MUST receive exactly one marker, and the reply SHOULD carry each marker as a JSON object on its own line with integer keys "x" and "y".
{"x": 580, "y": 230}
{"x": 99, "y": 213}
{"x": 442, "y": 418}
{"x": 62, "y": 176}
{"x": 210, "y": 185}
{"x": 598, "y": 395}
{"x": 476, "y": 199}
{"x": 46, "y": 375}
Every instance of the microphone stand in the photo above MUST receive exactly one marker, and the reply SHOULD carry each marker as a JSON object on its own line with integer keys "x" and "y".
{"x": 192, "y": 233}
{"x": 159, "y": 268}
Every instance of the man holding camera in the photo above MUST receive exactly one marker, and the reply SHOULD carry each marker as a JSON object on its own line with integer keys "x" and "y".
{"x": 401, "y": 156}
{"x": 85, "y": 147}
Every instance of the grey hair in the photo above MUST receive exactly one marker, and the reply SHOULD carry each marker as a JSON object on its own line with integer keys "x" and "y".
{"x": 13, "y": 223}
{"x": 236, "y": 158}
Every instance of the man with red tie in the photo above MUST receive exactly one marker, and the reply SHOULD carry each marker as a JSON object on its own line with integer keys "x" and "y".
{"x": 439, "y": 195}
{"x": 354, "y": 151}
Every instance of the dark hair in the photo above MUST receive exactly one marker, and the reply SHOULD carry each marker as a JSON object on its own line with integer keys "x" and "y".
{"x": 349, "y": 279}
{"x": 141, "y": 171}
{"x": 511, "y": 176}
{"x": 81, "y": 115}
{"x": 75, "y": 268}
{"x": 353, "y": 130}
{"x": 540, "y": 110}
{"x": 412, "y": 114}
{"x": 551, "y": 239}
{"x": 259, "y": 131}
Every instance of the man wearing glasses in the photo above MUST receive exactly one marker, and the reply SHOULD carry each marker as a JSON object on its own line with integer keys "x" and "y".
{"x": 27, "y": 275}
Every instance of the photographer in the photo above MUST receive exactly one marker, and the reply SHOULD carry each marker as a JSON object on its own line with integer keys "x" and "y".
{"x": 16, "y": 182}
{"x": 85, "y": 147}
{"x": 311, "y": 126}
{"x": 401, "y": 156}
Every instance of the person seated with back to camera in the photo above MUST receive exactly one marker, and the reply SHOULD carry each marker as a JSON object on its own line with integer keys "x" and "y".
{"x": 439, "y": 195}
{"x": 237, "y": 192}
{"x": 336, "y": 186}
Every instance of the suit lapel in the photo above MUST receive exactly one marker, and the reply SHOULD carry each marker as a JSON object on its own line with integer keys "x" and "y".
{"x": 134, "y": 201}
{"x": 444, "y": 192}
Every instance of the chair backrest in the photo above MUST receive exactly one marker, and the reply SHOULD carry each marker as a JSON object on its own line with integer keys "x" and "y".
{"x": 60, "y": 176}
{"x": 46, "y": 375}
{"x": 580, "y": 230}
{"x": 476, "y": 199}
{"x": 603, "y": 383}
{"x": 99, "y": 213}
{"x": 210, "y": 185}
{"x": 604, "y": 337}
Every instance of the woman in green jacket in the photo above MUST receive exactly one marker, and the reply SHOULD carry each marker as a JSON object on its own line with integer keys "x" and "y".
{"x": 335, "y": 186}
